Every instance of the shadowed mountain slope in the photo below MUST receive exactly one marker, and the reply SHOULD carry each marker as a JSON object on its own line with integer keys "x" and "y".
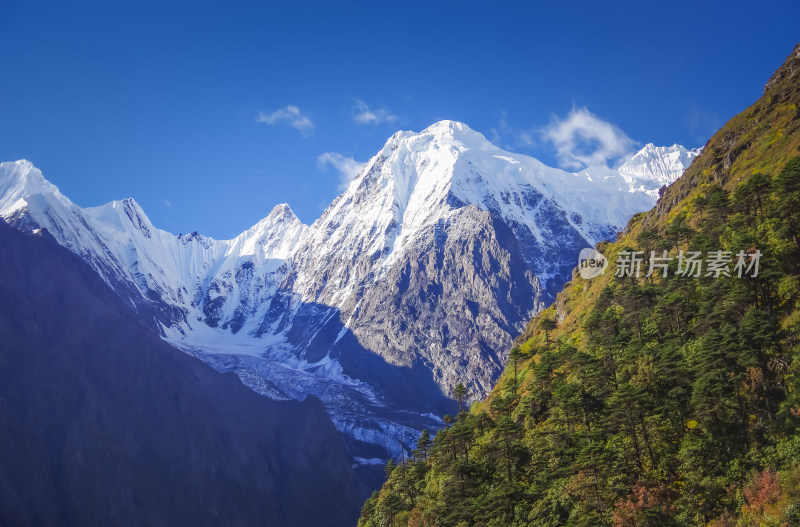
{"x": 103, "y": 423}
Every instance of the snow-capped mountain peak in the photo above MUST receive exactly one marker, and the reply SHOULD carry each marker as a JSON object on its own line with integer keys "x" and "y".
{"x": 652, "y": 167}
{"x": 416, "y": 277}
{"x": 282, "y": 212}
{"x": 440, "y": 133}
{"x": 119, "y": 216}
{"x": 20, "y": 180}
{"x": 447, "y": 130}
{"x": 275, "y": 236}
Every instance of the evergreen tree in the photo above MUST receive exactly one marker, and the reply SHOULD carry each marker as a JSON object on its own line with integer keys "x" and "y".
{"x": 672, "y": 401}
{"x": 423, "y": 445}
{"x": 460, "y": 393}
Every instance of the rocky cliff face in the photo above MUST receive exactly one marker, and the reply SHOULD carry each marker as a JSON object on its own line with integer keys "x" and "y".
{"x": 416, "y": 278}
{"x": 454, "y": 306}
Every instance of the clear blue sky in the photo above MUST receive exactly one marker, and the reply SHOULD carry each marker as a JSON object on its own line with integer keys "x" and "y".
{"x": 161, "y": 101}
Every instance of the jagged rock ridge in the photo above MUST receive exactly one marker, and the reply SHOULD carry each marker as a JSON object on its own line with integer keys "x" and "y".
{"x": 417, "y": 277}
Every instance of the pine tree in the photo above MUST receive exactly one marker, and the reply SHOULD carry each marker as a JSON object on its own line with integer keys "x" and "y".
{"x": 390, "y": 466}
{"x": 423, "y": 445}
{"x": 460, "y": 393}
{"x": 547, "y": 325}
{"x": 514, "y": 356}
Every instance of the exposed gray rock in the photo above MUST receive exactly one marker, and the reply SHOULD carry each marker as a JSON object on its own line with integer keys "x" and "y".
{"x": 417, "y": 277}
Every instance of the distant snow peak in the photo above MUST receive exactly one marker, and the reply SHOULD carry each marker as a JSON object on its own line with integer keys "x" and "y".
{"x": 20, "y": 180}
{"x": 655, "y": 166}
{"x": 417, "y": 277}
{"x": 282, "y": 212}
{"x": 121, "y": 214}
{"x": 449, "y": 128}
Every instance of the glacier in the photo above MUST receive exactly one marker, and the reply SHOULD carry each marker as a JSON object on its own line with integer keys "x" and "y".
{"x": 417, "y": 277}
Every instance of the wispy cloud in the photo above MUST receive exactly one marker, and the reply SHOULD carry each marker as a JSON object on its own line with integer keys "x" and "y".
{"x": 582, "y": 139}
{"x": 365, "y": 115}
{"x": 507, "y": 136}
{"x": 168, "y": 203}
{"x": 290, "y": 115}
{"x": 347, "y": 167}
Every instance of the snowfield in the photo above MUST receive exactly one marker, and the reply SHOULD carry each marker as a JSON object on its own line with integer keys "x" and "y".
{"x": 417, "y": 276}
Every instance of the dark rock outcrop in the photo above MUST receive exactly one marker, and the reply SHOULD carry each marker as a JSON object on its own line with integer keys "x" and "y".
{"x": 103, "y": 423}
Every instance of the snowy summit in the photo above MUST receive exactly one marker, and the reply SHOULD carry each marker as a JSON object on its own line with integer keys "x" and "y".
{"x": 418, "y": 276}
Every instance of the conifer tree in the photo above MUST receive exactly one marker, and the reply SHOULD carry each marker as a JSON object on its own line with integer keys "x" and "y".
{"x": 460, "y": 393}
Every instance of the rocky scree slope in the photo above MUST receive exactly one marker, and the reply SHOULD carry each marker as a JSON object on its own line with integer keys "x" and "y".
{"x": 416, "y": 278}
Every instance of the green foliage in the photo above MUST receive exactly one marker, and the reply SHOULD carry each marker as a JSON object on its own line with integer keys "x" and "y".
{"x": 681, "y": 394}
{"x": 654, "y": 401}
{"x": 460, "y": 393}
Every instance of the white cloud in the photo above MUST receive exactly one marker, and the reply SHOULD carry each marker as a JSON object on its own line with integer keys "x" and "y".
{"x": 168, "y": 203}
{"x": 582, "y": 139}
{"x": 290, "y": 115}
{"x": 364, "y": 115}
{"x": 347, "y": 167}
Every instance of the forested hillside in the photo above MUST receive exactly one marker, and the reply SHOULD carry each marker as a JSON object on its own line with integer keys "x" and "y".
{"x": 667, "y": 398}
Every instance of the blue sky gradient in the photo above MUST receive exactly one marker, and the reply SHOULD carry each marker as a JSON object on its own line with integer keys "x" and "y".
{"x": 210, "y": 113}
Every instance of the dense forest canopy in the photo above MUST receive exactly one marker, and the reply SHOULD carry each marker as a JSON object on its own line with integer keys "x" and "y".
{"x": 667, "y": 398}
